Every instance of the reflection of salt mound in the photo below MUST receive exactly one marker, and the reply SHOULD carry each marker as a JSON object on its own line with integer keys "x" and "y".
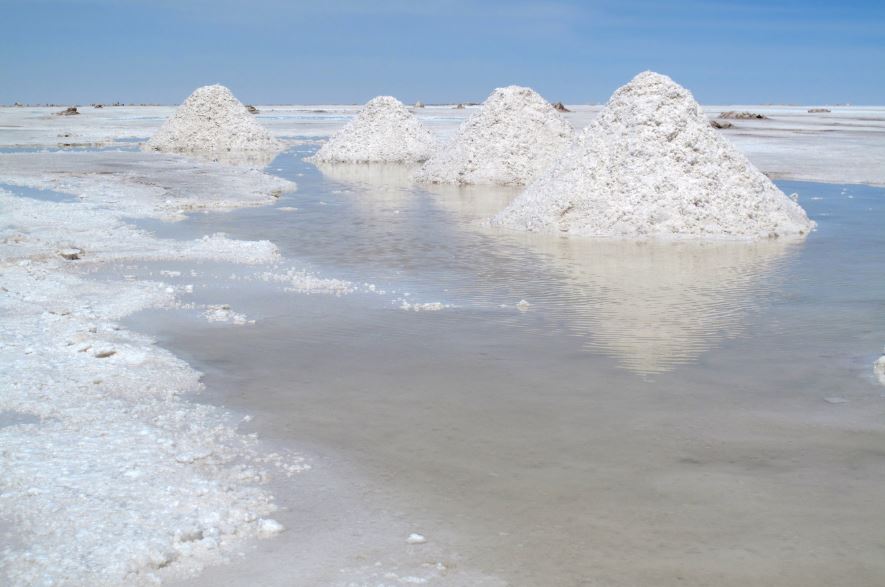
{"x": 392, "y": 176}
{"x": 655, "y": 305}
{"x": 651, "y": 166}
{"x": 383, "y": 131}
{"x": 212, "y": 122}
{"x": 513, "y": 138}
{"x": 472, "y": 204}
{"x": 379, "y": 185}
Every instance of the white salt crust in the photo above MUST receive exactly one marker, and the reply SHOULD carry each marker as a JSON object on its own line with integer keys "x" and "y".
{"x": 141, "y": 184}
{"x": 214, "y": 123}
{"x": 650, "y": 166}
{"x": 511, "y": 140}
{"x": 109, "y": 477}
{"x": 384, "y": 131}
{"x": 879, "y": 369}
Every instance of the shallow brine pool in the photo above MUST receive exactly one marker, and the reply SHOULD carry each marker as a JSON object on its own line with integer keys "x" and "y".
{"x": 552, "y": 411}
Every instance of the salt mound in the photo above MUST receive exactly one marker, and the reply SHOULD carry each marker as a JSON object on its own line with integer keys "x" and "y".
{"x": 650, "y": 165}
{"x": 514, "y": 137}
{"x": 383, "y": 131}
{"x": 212, "y": 121}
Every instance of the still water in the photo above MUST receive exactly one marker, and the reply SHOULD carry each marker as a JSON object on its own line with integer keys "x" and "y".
{"x": 655, "y": 414}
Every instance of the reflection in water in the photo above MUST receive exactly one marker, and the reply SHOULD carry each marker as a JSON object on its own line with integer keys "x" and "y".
{"x": 652, "y": 305}
{"x": 257, "y": 159}
{"x": 389, "y": 182}
{"x": 469, "y": 202}
{"x": 656, "y": 305}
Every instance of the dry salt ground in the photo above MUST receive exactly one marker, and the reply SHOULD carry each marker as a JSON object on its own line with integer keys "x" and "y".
{"x": 514, "y": 137}
{"x": 384, "y": 131}
{"x": 650, "y": 166}
{"x": 212, "y": 122}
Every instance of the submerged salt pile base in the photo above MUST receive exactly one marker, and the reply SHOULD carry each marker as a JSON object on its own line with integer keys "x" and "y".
{"x": 383, "y": 131}
{"x": 513, "y": 138}
{"x": 650, "y": 165}
{"x": 212, "y": 122}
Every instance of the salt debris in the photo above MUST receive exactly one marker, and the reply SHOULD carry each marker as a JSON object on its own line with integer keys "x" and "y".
{"x": 650, "y": 166}
{"x": 416, "y": 538}
{"x": 511, "y": 140}
{"x": 731, "y": 114}
{"x": 223, "y": 313}
{"x": 879, "y": 369}
{"x": 383, "y": 131}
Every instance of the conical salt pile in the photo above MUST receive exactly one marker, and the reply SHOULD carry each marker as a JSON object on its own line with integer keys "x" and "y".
{"x": 514, "y": 137}
{"x": 650, "y": 165}
{"x": 212, "y": 121}
{"x": 383, "y": 131}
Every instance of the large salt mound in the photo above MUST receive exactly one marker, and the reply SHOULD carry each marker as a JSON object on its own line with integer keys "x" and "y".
{"x": 650, "y": 165}
{"x": 212, "y": 121}
{"x": 383, "y": 131}
{"x": 514, "y": 138}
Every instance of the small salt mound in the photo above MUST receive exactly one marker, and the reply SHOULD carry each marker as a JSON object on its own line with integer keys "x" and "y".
{"x": 650, "y": 165}
{"x": 384, "y": 131}
{"x": 511, "y": 140}
{"x": 213, "y": 122}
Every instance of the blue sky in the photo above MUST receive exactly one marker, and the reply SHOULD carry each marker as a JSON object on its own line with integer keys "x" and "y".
{"x": 274, "y": 51}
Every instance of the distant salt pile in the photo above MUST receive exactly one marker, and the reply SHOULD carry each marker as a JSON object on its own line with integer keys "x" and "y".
{"x": 742, "y": 115}
{"x": 514, "y": 137}
{"x": 213, "y": 122}
{"x": 651, "y": 166}
{"x": 384, "y": 131}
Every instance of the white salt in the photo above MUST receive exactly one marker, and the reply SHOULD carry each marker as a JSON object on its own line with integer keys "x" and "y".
{"x": 268, "y": 527}
{"x": 383, "y": 131}
{"x": 212, "y": 121}
{"x": 650, "y": 166}
{"x": 416, "y": 539}
{"x": 511, "y": 140}
{"x": 879, "y": 369}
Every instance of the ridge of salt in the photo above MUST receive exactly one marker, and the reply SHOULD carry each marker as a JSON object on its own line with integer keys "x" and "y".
{"x": 650, "y": 166}
{"x": 511, "y": 140}
{"x": 212, "y": 121}
{"x": 384, "y": 131}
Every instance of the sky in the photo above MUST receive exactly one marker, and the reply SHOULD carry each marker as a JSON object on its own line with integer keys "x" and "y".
{"x": 328, "y": 51}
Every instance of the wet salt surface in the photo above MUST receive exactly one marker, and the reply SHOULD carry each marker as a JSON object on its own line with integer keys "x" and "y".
{"x": 655, "y": 415}
{"x": 37, "y": 194}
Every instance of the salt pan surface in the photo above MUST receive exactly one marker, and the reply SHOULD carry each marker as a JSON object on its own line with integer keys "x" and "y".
{"x": 213, "y": 122}
{"x": 109, "y": 476}
{"x": 511, "y": 140}
{"x": 651, "y": 166}
{"x": 383, "y": 131}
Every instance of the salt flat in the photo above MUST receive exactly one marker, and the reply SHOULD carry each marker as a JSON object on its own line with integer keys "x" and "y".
{"x": 555, "y": 412}
{"x": 846, "y": 145}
